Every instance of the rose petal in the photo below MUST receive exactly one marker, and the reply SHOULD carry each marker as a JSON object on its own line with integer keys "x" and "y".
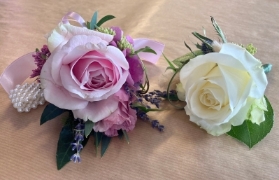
{"x": 117, "y": 57}
{"x": 96, "y": 111}
{"x": 251, "y": 64}
{"x": 69, "y": 83}
{"x": 63, "y": 32}
{"x": 118, "y": 33}
{"x": 60, "y": 98}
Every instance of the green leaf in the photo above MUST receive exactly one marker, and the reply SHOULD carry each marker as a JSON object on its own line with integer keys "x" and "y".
{"x": 203, "y": 39}
{"x": 94, "y": 20}
{"x": 250, "y": 133}
{"x": 64, "y": 150}
{"x": 143, "y": 108}
{"x": 105, "y": 144}
{"x": 50, "y": 112}
{"x": 88, "y": 127}
{"x": 88, "y": 25}
{"x": 171, "y": 66}
{"x": 267, "y": 68}
{"x": 97, "y": 137}
{"x": 120, "y": 134}
{"x": 105, "y": 19}
{"x": 126, "y": 136}
{"x": 145, "y": 49}
{"x": 84, "y": 142}
{"x": 218, "y": 30}
{"x": 181, "y": 61}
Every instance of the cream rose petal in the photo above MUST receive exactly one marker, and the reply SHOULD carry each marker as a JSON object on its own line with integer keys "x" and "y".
{"x": 241, "y": 116}
{"x": 215, "y": 130}
{"x": 202, "y": 111}
{"x": 251, "y": 64}
{"x": 238, "y": 84}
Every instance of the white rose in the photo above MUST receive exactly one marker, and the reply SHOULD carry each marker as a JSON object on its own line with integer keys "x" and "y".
{"x": 218, "y": 85}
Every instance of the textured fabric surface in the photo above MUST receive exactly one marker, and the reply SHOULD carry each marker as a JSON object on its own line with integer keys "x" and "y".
{"x": 183, "y": 151}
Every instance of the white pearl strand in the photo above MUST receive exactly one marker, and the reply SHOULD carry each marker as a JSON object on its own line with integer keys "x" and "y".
{"x": 27, "y": 96}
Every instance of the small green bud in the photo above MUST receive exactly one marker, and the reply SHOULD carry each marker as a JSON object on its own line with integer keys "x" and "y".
{"x": 251, "y": 49}
{"x": 106, "y": 30}
{"x": 123, "y": 44}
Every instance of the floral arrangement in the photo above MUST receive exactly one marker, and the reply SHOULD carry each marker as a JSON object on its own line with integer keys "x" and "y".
{"x": 223, "y": 85}
{"x": 94, "y": 74}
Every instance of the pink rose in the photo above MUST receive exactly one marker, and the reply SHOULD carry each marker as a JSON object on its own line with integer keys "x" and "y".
{"x": 82, "y": 75}
{"x": 122, "y": 118}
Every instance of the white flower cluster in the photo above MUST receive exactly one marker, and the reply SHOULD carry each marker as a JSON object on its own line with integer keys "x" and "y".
{"x": 27, "y": 96}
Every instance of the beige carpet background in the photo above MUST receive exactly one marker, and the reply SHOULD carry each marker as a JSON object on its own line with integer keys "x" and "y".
{"x": 183, "y": 151}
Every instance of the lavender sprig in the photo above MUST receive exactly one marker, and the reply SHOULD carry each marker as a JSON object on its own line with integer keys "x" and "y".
{"x": 77, "y": 145}
{"x": 143, "y": 115}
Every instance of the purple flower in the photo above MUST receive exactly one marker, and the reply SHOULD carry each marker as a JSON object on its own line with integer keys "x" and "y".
{"x": 79, "y": 137}
{"x": 126, "y": 44}
{"x": 76, "y": 158}
{"x": 40, "y": 59}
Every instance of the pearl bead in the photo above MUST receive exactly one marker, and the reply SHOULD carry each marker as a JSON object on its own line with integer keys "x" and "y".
{"x": 27, "y": 96}
{"x": 27, "y": 109}
{"x": 15, "y": 105}
{"x": 34, "y": 106}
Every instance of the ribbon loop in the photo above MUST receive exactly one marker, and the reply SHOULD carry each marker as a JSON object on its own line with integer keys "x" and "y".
{"x": 149, "y": 57}
{"x": 17, "y": 72}
{"x": 75, "y": 17}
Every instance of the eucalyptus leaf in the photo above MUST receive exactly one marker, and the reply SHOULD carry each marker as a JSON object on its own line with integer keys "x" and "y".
{"x": 50, "y": 112}
{"x": 267, "y": 68}
{"x": 105, "y": 19}
{"x": 64, "y": 150}
{"x": 88, "y": 127}
{"x": 145, "y": 49}
{"x": 126, "y": 136}
{"x": 250, "y": 133}
{"x": 93, "y": 21}
{"x": 105, "y": 143}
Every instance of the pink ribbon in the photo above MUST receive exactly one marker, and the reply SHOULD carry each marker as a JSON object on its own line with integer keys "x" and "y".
{"x": 75, "y": 17}
{"x": 17, "y": 72}
{"x": 149, "y": 57}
